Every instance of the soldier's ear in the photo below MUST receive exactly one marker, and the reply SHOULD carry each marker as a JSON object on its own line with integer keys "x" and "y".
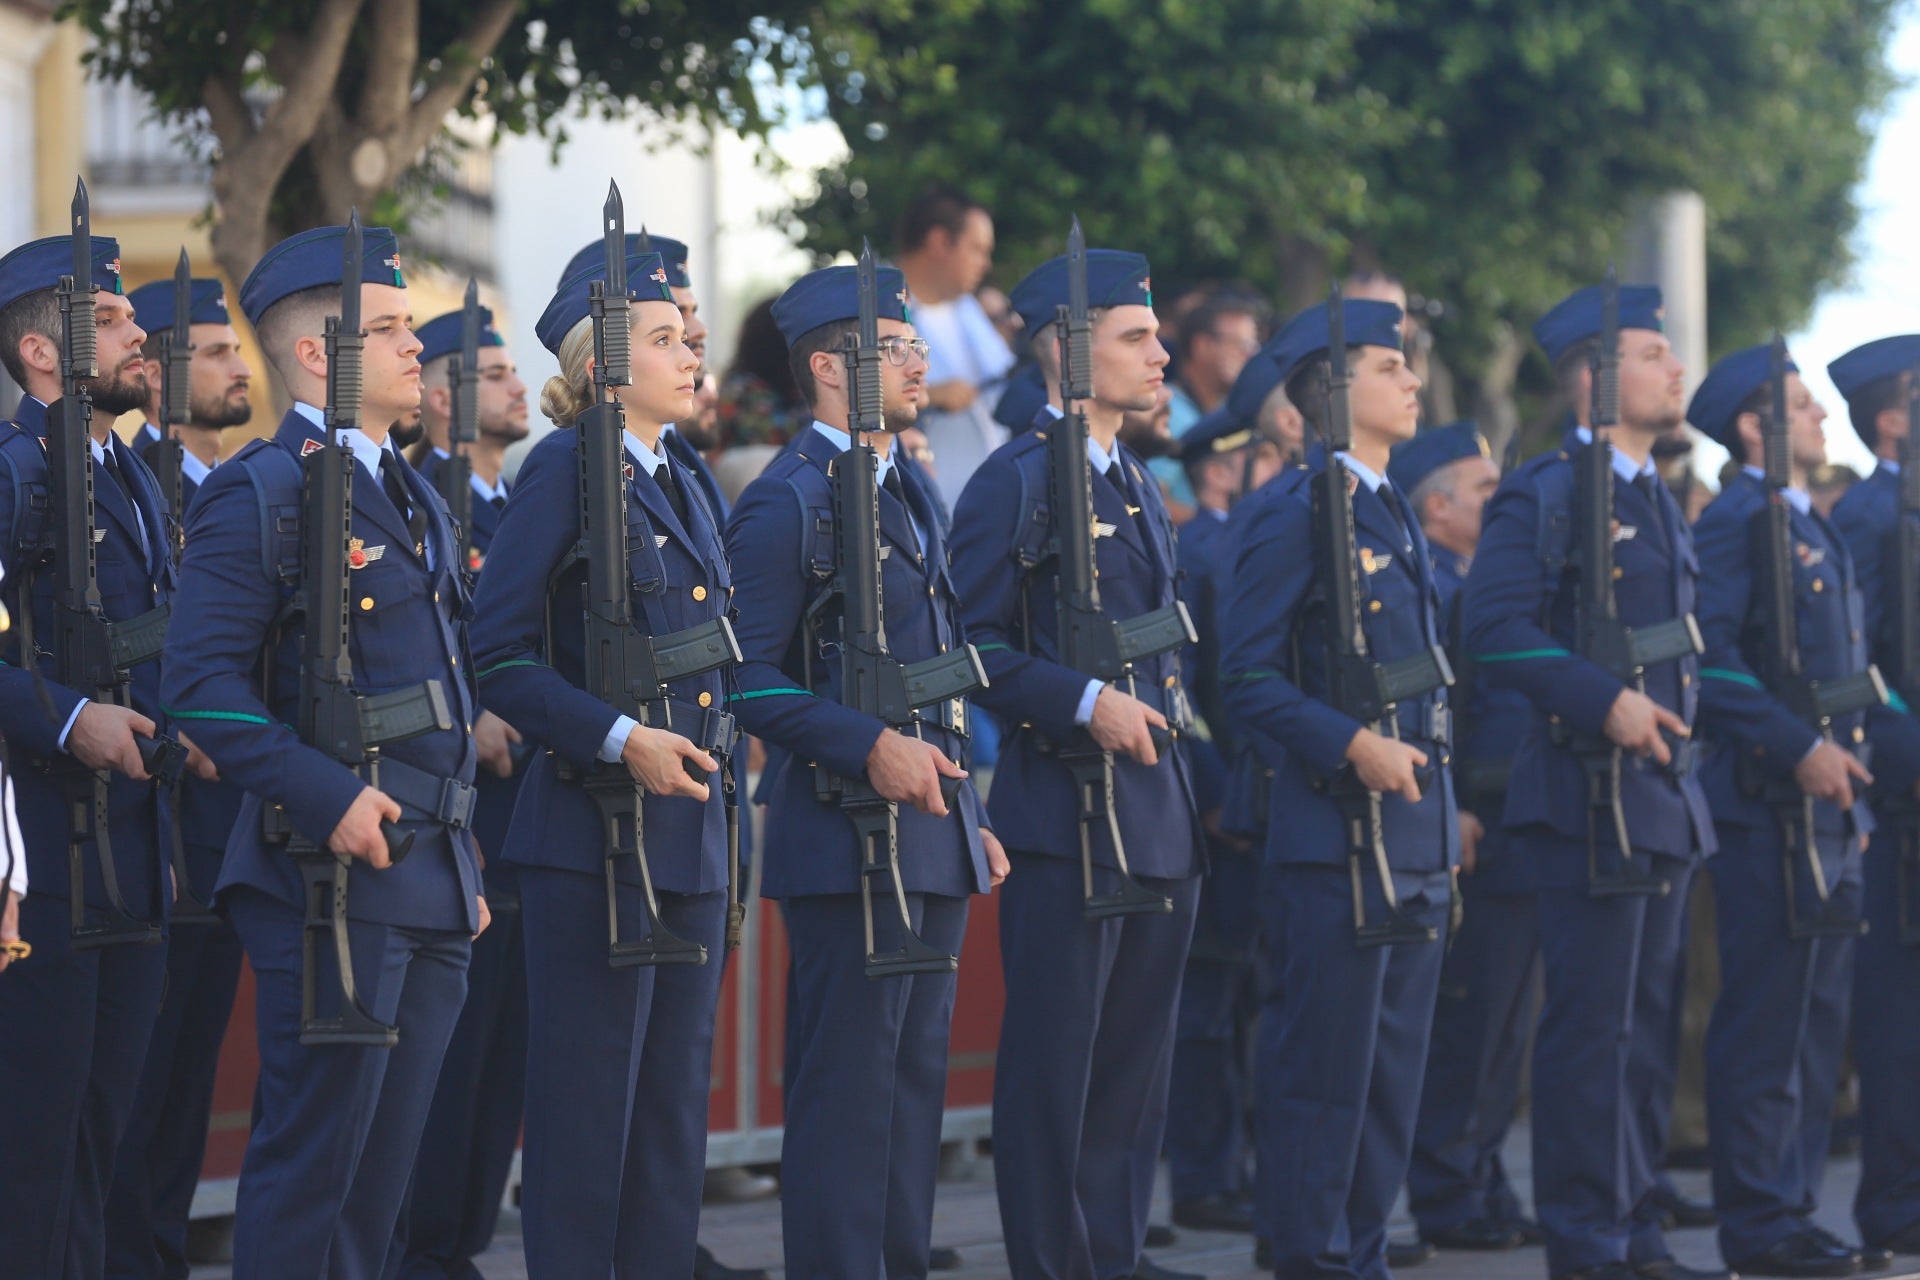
{"x": 310, "y": 354}
{"x": 828, "y": 368}
{"x": 1747, "y": 427}
{"x": 40, "y": 353}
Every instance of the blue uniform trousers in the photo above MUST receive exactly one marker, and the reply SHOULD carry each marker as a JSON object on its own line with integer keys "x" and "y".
{"x": 1774, "y": 1045}
{"x": 1208, "y": 1106}
{"x": 1886, "y": 1052}
{"x": 1481, "y": 1023}
{"x": 1085, "y": 1058}
{"x": 336, "y": 1126}
{"x": 1342, "y": 1040}
{"x": 158, "y": 1167}
{"x": 618, "y": 1068}
{"x": 1609, "y": 966}
{"x": 473, "y": 1126}
{"x": 866, "y": 1082}
{"x": 73, "y": 1033}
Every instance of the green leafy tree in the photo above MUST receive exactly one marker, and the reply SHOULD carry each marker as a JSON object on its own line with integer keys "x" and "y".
{"x": 1492, "y": 152}
{"x": 306, "y": 107}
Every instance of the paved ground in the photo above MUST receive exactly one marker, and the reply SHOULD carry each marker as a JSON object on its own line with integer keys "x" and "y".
{"x": 967, "y": 1218}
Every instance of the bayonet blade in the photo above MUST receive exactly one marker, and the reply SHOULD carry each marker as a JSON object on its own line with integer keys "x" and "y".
{"x": 174, "y": 405}
{"x": 1778, "y": 445}
{"x": 466, "y": 381}
{"x": 351, "y": 269}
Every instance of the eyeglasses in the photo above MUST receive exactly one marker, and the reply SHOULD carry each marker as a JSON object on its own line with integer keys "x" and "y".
{"x": 896, "y": 349}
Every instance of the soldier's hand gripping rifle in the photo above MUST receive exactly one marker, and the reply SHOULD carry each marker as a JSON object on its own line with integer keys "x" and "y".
{"x": 872, "y": 680}
{"x": 1090, "y": 641}
{"x": 463, "y": 379}
{"x": 1903, "y": 811}
{"x": 176, "y": 375}
{"x": 627, "y": 668}
{"x": 1357, "y": 684}
{"x": 90, "y": 654}
{"x": 1626, "y": 652}
{"x": 332, "y": 717}
{"x": 1815, "y": 702}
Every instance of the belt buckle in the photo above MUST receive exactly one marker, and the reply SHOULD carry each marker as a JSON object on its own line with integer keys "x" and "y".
{"x": 456, "y": 802}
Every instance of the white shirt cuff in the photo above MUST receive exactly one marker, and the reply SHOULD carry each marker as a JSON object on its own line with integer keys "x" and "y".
{"x": 68, "y": 727}
{"x": 616, "y": 744}
{"x": 1083, "y": 714}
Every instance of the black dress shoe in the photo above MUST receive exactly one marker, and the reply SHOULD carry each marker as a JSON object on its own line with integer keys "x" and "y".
{"x": 1148, "y": 1269}
{"x": 1527, "y": 1228}
{"x": 1407, "y": 1253}
{"x": 1668, "y": 1269}
{"x": 1213, "y": 1213}
{"x": 1806, "y": 1254}
{"x": 1871, "y": 1259}
{"x": 1478, "y": 1235}
{"x": 1905, "y": 1240}
{"x": 1262, "y": 1255}
{"x": 708, "y": 1267}
{"x": 1677, "y": 1211}
{"x": 943, "y": 1259}
{"x": 1159, "y": 1237}
{"x": 1607, "y": 1271}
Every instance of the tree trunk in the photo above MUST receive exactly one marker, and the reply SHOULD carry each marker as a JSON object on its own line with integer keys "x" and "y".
{"x": 1494, "y": 407}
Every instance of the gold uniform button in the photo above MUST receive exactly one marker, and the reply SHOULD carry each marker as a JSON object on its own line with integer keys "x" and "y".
{"x": 1374, "y": 606}
{"x": 699, "y": 593}
{"x": 1859, "y": 734}
{"x": 706, "y": 699}
{"x": 366, "y": 602}
{"x": 1819, "y": 585}
{"x": 1171, "y": 681}
{"x": 1685, "y": 679}
{"x": 1618, "y": 573}
{"x": 436, "y": 597}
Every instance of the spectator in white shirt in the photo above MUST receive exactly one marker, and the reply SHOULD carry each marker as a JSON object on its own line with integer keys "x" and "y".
{"x": 945, "y": 247}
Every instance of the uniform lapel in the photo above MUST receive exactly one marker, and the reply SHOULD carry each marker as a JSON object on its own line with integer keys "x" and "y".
{"x": 895, "y": 524}
{"x": 645, "y": 491}
{"x": 1110, "y": 509}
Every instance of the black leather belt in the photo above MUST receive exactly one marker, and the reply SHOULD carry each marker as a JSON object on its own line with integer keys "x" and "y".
{"x": 423, "y": 796}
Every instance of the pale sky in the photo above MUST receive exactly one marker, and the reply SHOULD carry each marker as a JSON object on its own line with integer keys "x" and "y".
{"x": 1884, "y": 295}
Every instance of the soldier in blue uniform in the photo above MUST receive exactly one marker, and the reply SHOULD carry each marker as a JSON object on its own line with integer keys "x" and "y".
{"x": 1875, "y": 379}
{"x": 866, "y": 1059}
{"x": 1457, "y": 1183}
{"x": 1771, "y": 1075}
{"x": 77, "y": 1020}
{"x": 159, "y": 1163}
{"x": 1609, "y": 960}
{"x": 1343, "y": 1034}
{"x": 337, "y": 1126}
{"x": 473, "y": 1127}
{"x": 1226, "y": 455}
{"x": 1086, "y": 1038}
{"x": 618, "y": 1071}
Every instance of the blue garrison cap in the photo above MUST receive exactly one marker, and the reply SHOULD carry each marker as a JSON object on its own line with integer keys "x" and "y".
{"x": 39, "y": 264}
{"x": 1369, "y": 324}
{"x": 833, "y": 293}
{"x": 1219, "y": 431}
{"x": 672, "y": 253}
{"x": 153, "y": 304}
{"x": 1577, "y": 317}
{"x": 1115, "y": 278}
{"x": 1881, "y": 358}
{"x": 1258, "y": 377}
{"x": 440, "y": 336}
{"x": 646, "y": 282}
{"x": 1025, "y": 392}
{"x": 313, "y": 260}
{"x": 1416, "y": 459}
{"x": 1716, "y": 404}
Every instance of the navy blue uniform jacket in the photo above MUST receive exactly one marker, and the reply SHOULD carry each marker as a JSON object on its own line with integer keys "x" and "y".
{"x": 999, "y": 533}
{"x": 1867, "y": 516}
{"x": 131, "y": 583}
{"x": 1274, "y": 650}
{"x": 781, "y": 540}
{"x": 407, "y": 625}
{"x": 1520, "y": 618}
{"x": 532, "y": 677}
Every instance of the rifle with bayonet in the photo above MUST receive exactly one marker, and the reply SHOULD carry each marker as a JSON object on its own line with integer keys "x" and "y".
{"x": 90, "y": 654}
{"x": 1815, "y": 702}
{"x": 331, "y": 716}
{"x": 176, "y": 375}
{"x": 463, "y": 380}
{"x": 626, "y": 668}
{"x": 1903, "y": 810}
{"x": 872, "y": 681}
{"x": 1626, "y": 652}
{"x": 1089, "y": 641}
{"x": 1358, "y": 684}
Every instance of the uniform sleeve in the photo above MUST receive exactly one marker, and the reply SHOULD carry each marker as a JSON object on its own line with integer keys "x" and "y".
{"x": 764, "y": 541}
{"x": 1733, "y": 702}
{"x": 34, "y": 710}
{"x": 1267, "y": 591}
{"x": 517, "y": 682}
{"x": 221, "y": 615}
{"x": 1893, "y": 729}
{"x": 1509, "y": 589}
{"x": 987, "y": 581}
